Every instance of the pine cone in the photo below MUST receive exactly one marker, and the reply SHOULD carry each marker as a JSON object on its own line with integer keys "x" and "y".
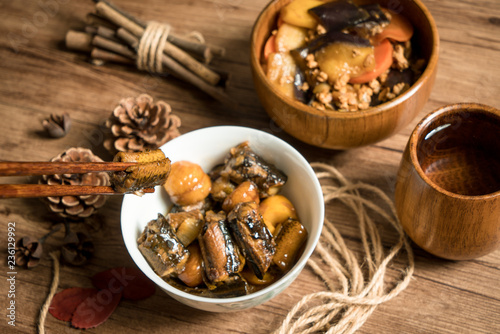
{"x": 137, "y": 124}
{"x": 28, "y": 252}
{"x": 77, "y": 206}
{"x": 57, "y": 125}
{"x": 78, "y": 248}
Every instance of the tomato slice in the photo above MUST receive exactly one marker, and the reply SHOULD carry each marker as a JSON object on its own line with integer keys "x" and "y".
{"x": 270, "y": 46}
{"x": 399, "y": 29}
{"x": 383, "y": 60}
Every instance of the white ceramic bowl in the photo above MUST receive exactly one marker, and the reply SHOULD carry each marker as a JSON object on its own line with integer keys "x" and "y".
{"x": 208, "y": 147}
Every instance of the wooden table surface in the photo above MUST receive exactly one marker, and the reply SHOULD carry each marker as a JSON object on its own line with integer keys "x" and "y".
{"x": 38, "y": 76}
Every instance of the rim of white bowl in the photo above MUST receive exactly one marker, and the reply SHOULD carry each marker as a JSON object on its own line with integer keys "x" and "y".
{"x": 138, "y": 258}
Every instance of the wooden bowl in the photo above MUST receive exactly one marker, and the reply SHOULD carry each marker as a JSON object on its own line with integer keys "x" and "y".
{"x": 344, "y": 130}
{"x": 448, "y": 187}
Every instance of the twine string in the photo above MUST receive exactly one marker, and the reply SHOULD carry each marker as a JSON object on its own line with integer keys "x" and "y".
{"x": 151, "y": 45}
{"x": 53, "y": 288}
{"x": 362, "y": 285}
{"x": 196, "y": 36}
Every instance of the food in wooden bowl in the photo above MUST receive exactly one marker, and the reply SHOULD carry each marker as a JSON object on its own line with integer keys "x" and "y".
{"x": 343, "y": 74}
{"x": 230, "y": 219}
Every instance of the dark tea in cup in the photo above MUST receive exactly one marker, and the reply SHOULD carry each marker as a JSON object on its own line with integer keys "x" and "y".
{"x": 461, "y": 154}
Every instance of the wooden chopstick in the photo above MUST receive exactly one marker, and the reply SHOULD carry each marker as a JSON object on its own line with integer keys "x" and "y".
{"x": 45, "y": 190}
{"x": 25, "y": 168}
{"x": 22, "y": 168}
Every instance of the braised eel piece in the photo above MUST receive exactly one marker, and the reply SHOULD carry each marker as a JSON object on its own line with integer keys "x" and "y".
{"x": 290, "y": 236}
{"x": 243, "y": 164}
{"x": 252, "y": 236}
{"x": 152, "y": 169}
{"x": 221, "y": 256}
{"x": 162, "y": 249}
{"x": 234, "y": 286}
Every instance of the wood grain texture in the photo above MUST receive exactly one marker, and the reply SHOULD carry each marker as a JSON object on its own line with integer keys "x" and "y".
{"x": 448, "y": 189}
{"x": 39, "y": 76}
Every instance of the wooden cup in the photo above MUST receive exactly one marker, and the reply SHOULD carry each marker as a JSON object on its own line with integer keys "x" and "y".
{"x": 448, "y": 186}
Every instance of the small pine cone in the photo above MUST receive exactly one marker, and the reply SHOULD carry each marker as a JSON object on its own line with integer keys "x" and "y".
{"x": 77, "y": 249}
{"x": 28, "y": 252}
{"x": 137, "y": 124}
{"x": 77, "y": 206}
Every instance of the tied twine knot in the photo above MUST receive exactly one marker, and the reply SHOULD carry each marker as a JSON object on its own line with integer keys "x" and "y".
{"x": 363, "y": 285}
{"x": 151, "y": 45}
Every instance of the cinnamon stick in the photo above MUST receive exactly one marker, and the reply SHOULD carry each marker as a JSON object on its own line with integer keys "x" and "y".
{"x": 199, "y": 49}
{"x": 179, "y": 55}
{"x": 106, "y": 56}
{"x": 176, "y": 60}
{"x": 189, "y": 62}
{"x": 92, "y": 30}
{"x": 182, "y": 73}
{"x": 107, "y": 33}
{"x": 98, "y": 21}
{"x": 79, "y": 41}
{"x": 192, "y": 64}
{"x": 124, "y": 13}
{"x": 82, "y": 41}
{"x": 204, "y": 50}
{"x": 113, "y": 46}
{"x": 118, "y": 18}
{"x": 128, "y": 38}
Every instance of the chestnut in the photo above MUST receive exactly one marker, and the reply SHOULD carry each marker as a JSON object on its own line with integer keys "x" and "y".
{"x": 187, "y": 184}
{"x": 275, "y": 210}
{"x": 245, "y": 192}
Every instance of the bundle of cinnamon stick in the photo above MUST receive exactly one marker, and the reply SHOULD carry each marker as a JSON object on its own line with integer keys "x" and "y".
{"x": 113, "y": 35}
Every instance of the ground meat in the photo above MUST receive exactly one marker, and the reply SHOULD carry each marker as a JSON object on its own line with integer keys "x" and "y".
{"x": 311, "y": 61}
{"x": 338, "y": 94}
{"x": 375, "y": 86}
{"x": 324, "y": 97}
{"x": 322, "y": 77}
{"x": 400, "y": 61}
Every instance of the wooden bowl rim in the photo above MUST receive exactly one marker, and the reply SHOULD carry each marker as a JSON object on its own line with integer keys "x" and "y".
{"x": 423, "y": 125}
{"x": 424, "y": 77}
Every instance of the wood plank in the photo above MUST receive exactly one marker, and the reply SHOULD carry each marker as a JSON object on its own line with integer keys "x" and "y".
{"x": 38, "y": 76}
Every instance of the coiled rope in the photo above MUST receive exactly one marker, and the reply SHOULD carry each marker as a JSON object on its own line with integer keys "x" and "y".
{"x": 362, "y": 284}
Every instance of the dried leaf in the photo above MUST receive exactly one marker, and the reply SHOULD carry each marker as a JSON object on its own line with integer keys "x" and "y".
{"x": 96, "y": 309}
{"x": 131, "y": 281}
{"x": 66, "y": 301}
